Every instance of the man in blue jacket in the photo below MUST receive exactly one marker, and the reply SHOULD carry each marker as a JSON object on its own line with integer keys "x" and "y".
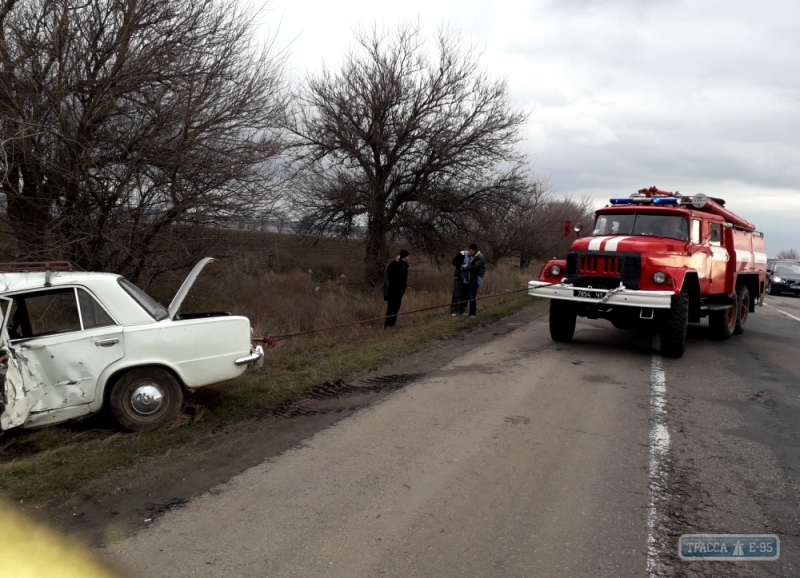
{"x": 475, "y": 269}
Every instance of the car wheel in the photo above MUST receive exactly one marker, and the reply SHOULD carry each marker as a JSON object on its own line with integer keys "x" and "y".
{"x": 743, "y": 301}
{"x": 562, "y": 320}
{"x": 772, "y": 291}
{"x": 145, "y": 399}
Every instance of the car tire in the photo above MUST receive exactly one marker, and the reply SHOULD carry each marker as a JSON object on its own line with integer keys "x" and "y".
{"x": 723, "y": 323}
{"x": 562, "y": 320}
{"x": 674, "y": 326}
{"x": 145, "y": 398}
{"x": 772, "y": 291}
{"x": 743, "y": 308}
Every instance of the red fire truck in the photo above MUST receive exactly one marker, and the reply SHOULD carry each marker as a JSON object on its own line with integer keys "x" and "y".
{"x": 660, "y": 259}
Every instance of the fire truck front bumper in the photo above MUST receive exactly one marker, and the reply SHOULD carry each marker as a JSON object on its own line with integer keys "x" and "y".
{"x": 618, "y": 296}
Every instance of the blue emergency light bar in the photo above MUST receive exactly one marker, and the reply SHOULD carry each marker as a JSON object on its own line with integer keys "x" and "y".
{"x": 645, "y": 200}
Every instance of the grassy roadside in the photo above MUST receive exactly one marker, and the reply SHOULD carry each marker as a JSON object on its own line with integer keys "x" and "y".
{"x": 35, "y": 465}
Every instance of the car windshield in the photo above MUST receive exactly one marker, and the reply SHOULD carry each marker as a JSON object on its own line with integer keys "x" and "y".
{"x": 671, "y": 226}
{"x": 153, "y": 307}
{"x": 787, "y": 269}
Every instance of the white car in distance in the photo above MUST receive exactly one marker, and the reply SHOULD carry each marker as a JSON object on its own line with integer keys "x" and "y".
{"x": 75, "y": 342}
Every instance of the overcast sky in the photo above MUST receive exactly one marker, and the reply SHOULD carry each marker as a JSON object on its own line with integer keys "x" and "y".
{"x": 700, "y": 96}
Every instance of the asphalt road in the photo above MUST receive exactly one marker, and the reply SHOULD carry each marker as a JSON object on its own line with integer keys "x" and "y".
{"x": 524, "y": 458}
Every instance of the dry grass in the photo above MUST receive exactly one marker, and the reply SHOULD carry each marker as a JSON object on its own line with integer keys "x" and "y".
{"x": 289, "y": 287}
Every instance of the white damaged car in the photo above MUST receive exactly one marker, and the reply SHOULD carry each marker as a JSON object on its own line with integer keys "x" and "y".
{"x": 75, "y": 342}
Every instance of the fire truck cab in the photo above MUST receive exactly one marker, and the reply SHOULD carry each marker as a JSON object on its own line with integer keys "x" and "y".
{"x": 662, "y": 260}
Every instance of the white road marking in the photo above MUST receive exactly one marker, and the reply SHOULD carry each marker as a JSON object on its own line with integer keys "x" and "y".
{"x": 659, "y": 447}
{"x": 782, "y": 311}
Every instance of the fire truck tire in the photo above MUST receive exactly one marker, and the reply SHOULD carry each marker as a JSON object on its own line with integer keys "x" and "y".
{"x": 674, "y": 326}
{"x": 562, "y": 320}
{"x": 743, "y": 302}
{"x": 723, "y": 323}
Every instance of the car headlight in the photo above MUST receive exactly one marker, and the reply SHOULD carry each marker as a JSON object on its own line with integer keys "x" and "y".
{"x": 776, "y": 279}
{"x": 659, "y": 277}
{"x": 555, "y": 270}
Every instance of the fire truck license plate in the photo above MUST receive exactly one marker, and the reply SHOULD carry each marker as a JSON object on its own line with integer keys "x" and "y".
{"x": 589, "y": 294}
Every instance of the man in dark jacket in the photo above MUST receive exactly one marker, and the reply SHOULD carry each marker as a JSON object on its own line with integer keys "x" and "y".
{"x": 476, "y": 269}
{"x": 458, "y": 304}
{"x": 396, "y": 283}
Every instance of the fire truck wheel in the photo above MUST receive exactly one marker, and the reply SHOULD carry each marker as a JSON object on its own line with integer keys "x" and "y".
{"x": 562, "y": 320}
{"x": 674, "y": 325}
{"x": 723, "y": 323}
{"x": 743, "y": 300}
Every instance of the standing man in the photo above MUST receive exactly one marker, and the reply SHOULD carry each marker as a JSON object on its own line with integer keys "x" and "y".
{"x": 476, "y": 269}
{"x": 396, "y": 283}
{"x": 458, "y": 304}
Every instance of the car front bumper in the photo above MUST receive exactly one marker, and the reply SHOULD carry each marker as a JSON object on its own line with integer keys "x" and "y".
{"x": 612, "y": 297}
{"x": 784, "y": 287}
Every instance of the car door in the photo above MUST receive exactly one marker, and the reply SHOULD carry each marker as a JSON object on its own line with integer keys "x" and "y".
{"x": 16, "y": 403}
{"x": 64, "y": 339}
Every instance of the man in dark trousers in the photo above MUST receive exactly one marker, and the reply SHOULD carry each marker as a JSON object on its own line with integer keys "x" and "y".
{"x": 458, "y": 304}
{"x": 476, "y": 269}
{"x": 396, "y": 283}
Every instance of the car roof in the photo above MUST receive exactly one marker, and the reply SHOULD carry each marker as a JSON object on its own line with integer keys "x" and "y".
{"x": 28, "y": 280}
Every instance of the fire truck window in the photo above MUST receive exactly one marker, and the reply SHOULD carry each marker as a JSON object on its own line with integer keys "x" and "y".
{"x": 670, "y": 226}
{"x": 715, "y": 234}
{"x": 599, "y": 225}
{"x": 614, "y": 224}
{"x": 695, "y": 231}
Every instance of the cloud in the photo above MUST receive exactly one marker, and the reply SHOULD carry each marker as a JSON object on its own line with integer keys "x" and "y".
{"x": 701, "y": 96}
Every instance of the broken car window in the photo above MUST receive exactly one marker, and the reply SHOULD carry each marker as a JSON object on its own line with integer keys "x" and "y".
{"x": 44, "y": 313}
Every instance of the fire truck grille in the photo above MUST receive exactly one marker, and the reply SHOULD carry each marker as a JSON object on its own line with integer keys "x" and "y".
{"x": 594, "y": 265}
{"x": 604, "y": 270}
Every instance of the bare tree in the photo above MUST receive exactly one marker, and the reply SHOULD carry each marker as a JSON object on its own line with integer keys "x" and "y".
{"x": 789, "y": 254}
{"x": 551, "y": 240}
{"x": 511, "y": 229}
{"x": 126, "y": 121}
{"x": 404, "y": 145}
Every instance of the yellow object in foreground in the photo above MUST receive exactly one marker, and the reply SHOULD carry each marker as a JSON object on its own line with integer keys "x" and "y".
{"x": 30, "y": 550}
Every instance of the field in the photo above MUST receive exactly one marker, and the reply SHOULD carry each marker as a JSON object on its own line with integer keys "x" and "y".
{"x": 284, "y": 286}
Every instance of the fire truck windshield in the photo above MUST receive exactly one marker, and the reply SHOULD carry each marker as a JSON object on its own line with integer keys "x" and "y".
{"x": 671, "y": 226}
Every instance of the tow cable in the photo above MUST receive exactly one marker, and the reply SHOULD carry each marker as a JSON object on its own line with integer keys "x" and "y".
{"x": 271, "y": 339}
